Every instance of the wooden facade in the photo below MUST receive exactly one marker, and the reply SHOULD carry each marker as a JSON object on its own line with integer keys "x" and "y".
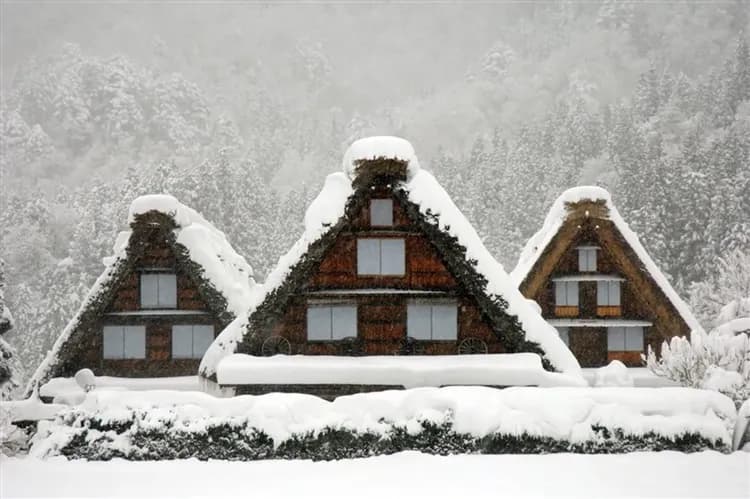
{"x": 382, "y": 301}
{"x": 588, "y": 324}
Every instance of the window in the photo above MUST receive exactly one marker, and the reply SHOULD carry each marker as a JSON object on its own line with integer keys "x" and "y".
{"x": 158, "y": 291}
{"x": 566, "y": 293}
{"x": 587, "y": 259}
{"x": 331, "y": 322}
{"x": 625, "y": 339}
{"x": 381, "y": 212}
{"x": 432, "y": 321}
{"x": 380, "y": 257}
{"x": 564, "y": 333}
{"x": 124, "y": 342}
{"x": 191, "y": 342}
{"x": 608, "y": 293}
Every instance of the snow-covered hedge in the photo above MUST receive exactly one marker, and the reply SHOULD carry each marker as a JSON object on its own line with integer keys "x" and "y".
{"x": 170, "y": 424}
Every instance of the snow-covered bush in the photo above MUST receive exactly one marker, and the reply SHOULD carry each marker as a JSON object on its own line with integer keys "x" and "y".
{"x": 613, "y": 374}
{"x": 12, "y": 438}
{"x": 176, "y": 425}
{"x": 712, "y": 361}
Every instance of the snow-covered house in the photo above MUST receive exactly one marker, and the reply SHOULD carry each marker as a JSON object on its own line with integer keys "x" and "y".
{"x": 386, "y": 266}
{"x": 173, "y": 283}
{"x": 596, "y": 283}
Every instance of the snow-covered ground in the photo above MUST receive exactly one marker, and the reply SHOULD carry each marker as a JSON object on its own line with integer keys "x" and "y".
{"x": 408, "y": 474}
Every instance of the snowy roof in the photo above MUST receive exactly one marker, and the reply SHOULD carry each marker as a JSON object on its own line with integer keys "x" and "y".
{"x": 382, "y": 147}
{"x": 517, "y": 369}
{"x": 422, "y": 189}
{"x": 554, "y": 221}
{"x": 225, "y": 270}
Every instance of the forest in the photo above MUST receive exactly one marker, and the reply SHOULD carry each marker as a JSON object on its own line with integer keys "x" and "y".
{"x": 241, "y": 110}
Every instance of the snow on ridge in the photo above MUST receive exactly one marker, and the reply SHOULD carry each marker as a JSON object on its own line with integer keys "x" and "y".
{"x": 555, "y": 219}
{"x": 387, "y": 147}
{"x": 425, "y": 191}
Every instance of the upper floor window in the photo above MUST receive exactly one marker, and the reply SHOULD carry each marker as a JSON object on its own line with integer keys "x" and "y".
{"x": 381, "y": 257}
{"x": 191, "y": 341}
{"x": 381, "y": 212}
{"x": 566, "y": 293}
{"x": 608, "y": 293}
{"x": 625, "y": 339}
{"x": 158, "y": 291}
{"x": 124, "y": 342}
{"x": 432, "y": 321}
{"x": 587, "y": 259}
{"x": 331, "y": 322}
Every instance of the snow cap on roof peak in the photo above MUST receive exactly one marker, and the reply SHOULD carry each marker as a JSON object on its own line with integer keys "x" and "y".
{"x": 585, "y": 192}
{"x": 380, "y": 148}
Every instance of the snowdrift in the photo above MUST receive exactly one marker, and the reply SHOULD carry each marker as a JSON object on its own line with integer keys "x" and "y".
{"x": 172, "y": 424}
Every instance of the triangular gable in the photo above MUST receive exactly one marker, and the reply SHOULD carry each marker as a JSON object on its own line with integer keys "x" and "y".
{"x": 539, "y": 256}
{"x": 431, "y": 209}
{"x": 201, "y": 252}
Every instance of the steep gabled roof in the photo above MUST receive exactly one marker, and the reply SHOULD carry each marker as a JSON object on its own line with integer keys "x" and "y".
{"x": 559, "y": 214}
{"x": 432, "y": 210}
{"x": 224, "y": 279}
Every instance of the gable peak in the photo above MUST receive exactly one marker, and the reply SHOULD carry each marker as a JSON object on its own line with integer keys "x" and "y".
{"x": 380, "y": 156}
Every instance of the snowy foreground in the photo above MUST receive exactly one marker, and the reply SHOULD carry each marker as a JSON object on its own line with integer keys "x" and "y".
{"x": 408, "y": 474}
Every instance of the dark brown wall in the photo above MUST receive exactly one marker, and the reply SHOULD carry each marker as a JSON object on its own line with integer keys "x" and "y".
{"x": 382, "y": 317}
{"x": 155, "y": 253}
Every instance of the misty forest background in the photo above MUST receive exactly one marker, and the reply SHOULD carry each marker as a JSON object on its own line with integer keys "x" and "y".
{"x": 241, "y": 110}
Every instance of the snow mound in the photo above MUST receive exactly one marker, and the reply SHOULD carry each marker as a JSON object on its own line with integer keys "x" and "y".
{"x": 520, "y": 369}
{"x": 30, "y": 409}
{"x": 614, "y": 374}
{"x": 381, "y": 147}
{"x": 563, "y": 413}
{"x": 555, "y": 219}
{"x": 734, "y": 326}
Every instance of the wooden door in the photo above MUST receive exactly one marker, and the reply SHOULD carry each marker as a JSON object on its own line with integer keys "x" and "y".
{"x": 589, "y": 345}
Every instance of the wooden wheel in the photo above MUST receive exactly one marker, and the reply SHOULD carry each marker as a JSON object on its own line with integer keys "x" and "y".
{"x": 274, "y": 345}
{"x": 471, "y": 346}
{"x": 410, "y": 346}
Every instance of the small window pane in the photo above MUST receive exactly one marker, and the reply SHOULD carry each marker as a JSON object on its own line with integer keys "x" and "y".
{"x": 572, "y": 292}
{"x": 112, "y": 342}
{"x": 634, "y": 339}
{"x": 587, "y": 259}
{"x": 392, "y": 257}
{"x": 182, "y": 342}
{"x": 368, "y": 256}
{"x": 616, "y": 339}
{"x": 564, "y": 333}
{"x": 444, "y": 322}
{"x": 135, "y": 342}
{"x": 318, "y": 323}
{"x": 602, "y": 293}
{"x": 381, "y": 212}
{"x": 614, "y": 293}
{"x": 167, "y": 290}
{"x": 149, "y": 290}
{"x": 419, "y": 321}
{"x": 203, "y": 336}
{"x": 344, "y": 321}
{"x": 560, "y": 296}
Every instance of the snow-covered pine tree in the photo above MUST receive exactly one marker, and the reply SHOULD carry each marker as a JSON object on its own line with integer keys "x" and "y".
{"x": 10, "y": 367}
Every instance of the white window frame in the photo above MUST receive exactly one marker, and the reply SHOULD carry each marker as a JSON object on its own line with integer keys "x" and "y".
{"x": 379, "y": 246}
{"x": 608, "y": 294}
{"x": 162, "y": 280}
{"x": 566, "y": 294}
{"x": 137, "y": 336}
{"x": 381, "y": 212}
{"x": 336, "y": 313}
{"x": 625, "y": 338}
{"x": 434, "y": 310}
{"x": 178, "y": 329}
{"x": 587, "y": 259}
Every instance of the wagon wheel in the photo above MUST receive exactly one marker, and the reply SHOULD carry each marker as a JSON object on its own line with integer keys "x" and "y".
{"x": 275, "y": 345}
{"x": 351, "y": 345}
{"x": 410, "y": 346}
{"x": 472, "y": 346}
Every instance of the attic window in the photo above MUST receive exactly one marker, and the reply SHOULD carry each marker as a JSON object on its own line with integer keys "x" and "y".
{"x": 587, "y": 258}
{"x": 124, "y": 342}
{"x": 381, "y": 257}
{"x": 381, "y": 212}
{"x": 158, "y": 291}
